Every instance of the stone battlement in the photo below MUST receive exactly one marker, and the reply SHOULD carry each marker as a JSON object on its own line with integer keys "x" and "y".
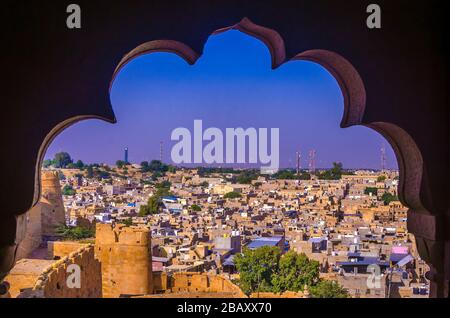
{"x": 185, "y": 283}
{"x": 44, "y": 278}
{"x": 53, "y": 280}
{"x": 123, "y": 235}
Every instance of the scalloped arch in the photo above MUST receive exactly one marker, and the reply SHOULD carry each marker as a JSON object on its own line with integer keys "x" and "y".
{"x": 350, "y": 82}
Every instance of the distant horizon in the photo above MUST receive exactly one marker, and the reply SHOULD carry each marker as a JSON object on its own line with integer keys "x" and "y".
{"x": 231, "y": 85}
{"x": 233, "y": 166}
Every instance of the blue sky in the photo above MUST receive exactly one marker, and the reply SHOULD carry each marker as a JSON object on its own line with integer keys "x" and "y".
{"x": 231, "y": 85}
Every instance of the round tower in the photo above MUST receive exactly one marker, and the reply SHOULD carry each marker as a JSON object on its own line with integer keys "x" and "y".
{"x": 126, "y": 260}
{"x": 52, "y": 213}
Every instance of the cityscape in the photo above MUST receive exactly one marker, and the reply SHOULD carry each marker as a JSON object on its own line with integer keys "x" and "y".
{"x": 156, "y": 230}
{"x": 142, "y": 217}
{"x": 222, "y": 157}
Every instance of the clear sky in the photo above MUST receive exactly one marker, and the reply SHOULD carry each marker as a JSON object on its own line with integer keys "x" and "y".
{"x": 231, "y": 85}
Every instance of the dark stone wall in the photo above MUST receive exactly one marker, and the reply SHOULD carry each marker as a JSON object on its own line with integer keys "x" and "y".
{"x": 51, "y": 74}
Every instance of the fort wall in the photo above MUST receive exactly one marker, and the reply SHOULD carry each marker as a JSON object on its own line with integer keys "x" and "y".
{"x": 181, "y": 283}
{"x": 125, "y": 257}
{"x": 36, "y": 278}
{"x": 59, "y": 249}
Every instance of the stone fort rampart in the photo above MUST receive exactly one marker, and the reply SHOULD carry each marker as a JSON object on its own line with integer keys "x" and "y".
{"x": 53, "y": 280}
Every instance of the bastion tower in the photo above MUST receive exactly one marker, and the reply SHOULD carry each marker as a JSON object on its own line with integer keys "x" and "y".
{"x": 126, "y": 260}
{"x": 43, "y": 218}
{"x": 52, "y": 211}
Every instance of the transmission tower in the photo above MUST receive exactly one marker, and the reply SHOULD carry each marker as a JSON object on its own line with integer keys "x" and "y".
{"x": 383, "y": 157}
{"x": 312, "y": 161}
{"x": 161, "y": 151}
{"x": 298, "y": 156}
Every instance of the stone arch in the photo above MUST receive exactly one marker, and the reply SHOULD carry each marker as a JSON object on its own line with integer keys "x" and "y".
{"x": 352, "y": 87}
{"x": 58, "y": 129}
{"x": 350, "y": 82}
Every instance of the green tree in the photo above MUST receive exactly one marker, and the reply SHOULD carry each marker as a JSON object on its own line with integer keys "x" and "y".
{"x": 79, "y": 164}
{"x": 47, "y": 163}
{"x": 388, "y": 198}
{"x": 294, "y": 272}
{"x": 335, "y": 173}
{"x": 127, "y": 222}
{"x": 165, "y": 184}
{"x": 256, "y": 268}
{"x": 74, "y": 233}
{"x": 328, "y": 289}
{"x": 120, "y": 164}
{"x": 304, "y": 176}
{"x": 289, "y": 174}
{"x": 62, "y": 159}
{"x": 204, "y": 184}
{"x": 371, "y": 190}
{"x": 68, "y": 190}
{"x": 172, "y": 169}
{"x": 232, "y": 195}
{"x": 90, "y": 172}
{"x": 101, "y": 174}
{"x": 286, "y": 174}
{"x": 157, "y": 165}
{"x": 154, "y": 202}
{"x": 264, "y": 269}
{"x": 154, "y": 166}
{"x": 381, "y": 178}
{"x": 144, "y": 210}
{"x": 246, "y": 177}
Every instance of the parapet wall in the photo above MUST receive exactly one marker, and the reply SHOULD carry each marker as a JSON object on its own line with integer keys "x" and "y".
{"x": 53, "y": 281}
{"x": 59, "y": 249}
{"x": 197, "y": 283}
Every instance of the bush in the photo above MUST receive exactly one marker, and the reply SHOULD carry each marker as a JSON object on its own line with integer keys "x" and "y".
{"x": 388, "y": 198}
{"x": 68, "y": 190}
{"x": 328, "y": 289}
{"x": 381, "y": 178}
{"x": 74, "y": 233}
{"x": 232, "y": 195}
{"x": 371, "y": 190}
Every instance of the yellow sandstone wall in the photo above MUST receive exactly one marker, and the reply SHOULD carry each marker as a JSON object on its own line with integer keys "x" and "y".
{"x": 125, "y": 257}
{"x": 32, "y": 232}
{"x": 53, "y": 213}
{"x": 59, "y": 249}
{"x": 42, "y": 219}
{"x": 200, "y": 283}
{"x": 32, "y": 278}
